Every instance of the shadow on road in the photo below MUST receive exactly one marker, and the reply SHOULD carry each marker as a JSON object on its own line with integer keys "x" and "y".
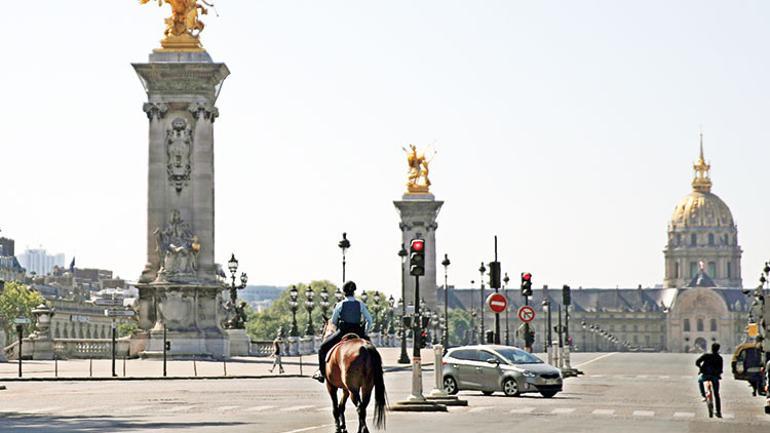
{"x": 79, "y": 424}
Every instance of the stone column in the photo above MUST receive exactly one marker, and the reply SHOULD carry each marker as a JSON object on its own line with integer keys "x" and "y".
{"x": 179, "y": 288}
{"x": 418, "y": 220}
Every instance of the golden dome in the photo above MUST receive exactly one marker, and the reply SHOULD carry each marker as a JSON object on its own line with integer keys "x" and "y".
{"x": 702, "y": 209}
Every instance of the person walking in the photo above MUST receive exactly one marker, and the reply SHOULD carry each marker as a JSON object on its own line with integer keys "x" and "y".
{"x": 710, "y": 367}
{"x": 752, "y": 366}
{"x": 277, "y": 353}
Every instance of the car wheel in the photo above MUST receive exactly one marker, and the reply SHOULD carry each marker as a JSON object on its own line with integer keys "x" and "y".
{"x": 450, "y": 385}
{"x": 548, "y": 394}
{"x": 510, "y": 387}
{"x": 487, "y": 392}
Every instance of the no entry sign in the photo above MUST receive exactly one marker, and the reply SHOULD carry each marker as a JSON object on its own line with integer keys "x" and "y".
{"x": 526, "y": 314}
{"x": 497, "y": 303}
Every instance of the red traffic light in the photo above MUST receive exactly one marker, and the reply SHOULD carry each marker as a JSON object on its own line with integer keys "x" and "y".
{"x": 526, "y": 276}
{"x": 418, "y": 245}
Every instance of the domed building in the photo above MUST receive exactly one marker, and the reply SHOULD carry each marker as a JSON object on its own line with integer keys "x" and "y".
{"x": 702, "y": 238}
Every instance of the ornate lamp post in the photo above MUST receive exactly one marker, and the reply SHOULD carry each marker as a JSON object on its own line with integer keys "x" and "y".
{"x": 376, "y": 308}
{"x": 324, "y": 306}
{"x": 293, "y": 304}
{"x": 435, "y": 326}
{"x": 506, "y": 280}
{"x": 482, "y": 271}
{"x": 365, "y": 297}
{"x": 391, "y": 326}
{"x": 403, "y": 358}
{"x": 238, "y": 320}
{"x": 344, "y": 244}
{"x": 473, "y": 327}
{"x": 445, "y": 263}
{"x": 309, "y": 304}
{"x": 338, "y": 295}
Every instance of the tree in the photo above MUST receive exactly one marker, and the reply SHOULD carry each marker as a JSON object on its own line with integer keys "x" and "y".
{"x": 18, "y": 300}
{"x": 459, "y": 327}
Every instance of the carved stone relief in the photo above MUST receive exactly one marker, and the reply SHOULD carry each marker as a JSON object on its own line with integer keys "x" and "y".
{"x": 203, "y": 110}
{"x": 155, "y": 111}
{"x": 178, "y": 249}
{"x": 179, "y": 152}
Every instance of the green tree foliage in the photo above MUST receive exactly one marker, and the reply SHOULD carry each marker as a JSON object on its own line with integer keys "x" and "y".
{"x": 127, "y": 328}
{"x": 15, "y": 300}
{"x": 459, "y": 327}
{"x": 264, "y": 325}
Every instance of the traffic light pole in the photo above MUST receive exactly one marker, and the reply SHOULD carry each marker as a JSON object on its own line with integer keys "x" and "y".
{"x": 165, "y": 346}
{"x": 114, "y": 332}
{"x": 416, "y": 358}
{"x": 20, "y": 331}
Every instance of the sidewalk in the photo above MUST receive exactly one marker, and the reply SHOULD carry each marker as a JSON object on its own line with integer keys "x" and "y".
{"x": 240, "y": 367}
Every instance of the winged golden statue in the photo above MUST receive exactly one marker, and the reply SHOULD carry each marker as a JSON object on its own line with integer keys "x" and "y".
{"x": 418, "y": 181}
{"x": 183, "y": 26}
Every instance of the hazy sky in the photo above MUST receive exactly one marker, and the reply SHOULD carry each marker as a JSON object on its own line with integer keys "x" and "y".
{"x": 568, "y": 128}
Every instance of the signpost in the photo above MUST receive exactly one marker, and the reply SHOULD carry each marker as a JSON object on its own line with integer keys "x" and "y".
{"x": 109, "y": 302}
{"x": 497, "y": 303}
{"x": 113, "y": 314}
{"x": 20, "y": 322}
{"x": 526, "y": 314}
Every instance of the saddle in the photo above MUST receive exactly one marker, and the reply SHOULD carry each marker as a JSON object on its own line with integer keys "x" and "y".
{"x": 347, "y": 337}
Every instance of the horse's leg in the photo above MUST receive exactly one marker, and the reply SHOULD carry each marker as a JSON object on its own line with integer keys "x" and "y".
{"x": 345, "y": 395}
{"x": 335, "y": 409}
{"x": 366, "y": 396}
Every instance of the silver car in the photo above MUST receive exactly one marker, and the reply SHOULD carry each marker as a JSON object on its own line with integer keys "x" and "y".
{"x": 499, "y": 368}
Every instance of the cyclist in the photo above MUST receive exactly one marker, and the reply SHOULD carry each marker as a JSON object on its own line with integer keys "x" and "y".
{"x": 710, "y": 365}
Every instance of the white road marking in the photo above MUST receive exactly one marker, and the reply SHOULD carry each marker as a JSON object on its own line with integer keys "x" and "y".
{"x": 643, "y": 413}
{"x": 133, "y": 408}
{"x": 595, "y": 359}
{"x": 603, "y": 412}
{"x": 684, "y": 415}
{"x": 479, "y": 409}
{"x": 227, "y": 408}
{"x": 259, "y": 408}
{"x": 318, "y": 427}
{"x": 44, "y": 410}
{"x": 523, "y": 410}
{"x": 178, "y": 408}
{"x": 563, "y": 410}
{"x": 728, "y": 415}
{"x": 664, "y": 377}
{"x": 296, "y": 408}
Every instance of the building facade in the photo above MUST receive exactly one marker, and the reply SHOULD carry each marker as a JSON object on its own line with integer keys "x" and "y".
{"x": 40, "y": 262}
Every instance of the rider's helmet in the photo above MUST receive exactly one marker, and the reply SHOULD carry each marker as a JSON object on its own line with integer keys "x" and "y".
{"x": 349, "y": 288}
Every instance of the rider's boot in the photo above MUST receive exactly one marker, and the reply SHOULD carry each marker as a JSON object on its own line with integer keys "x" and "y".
{"x": 318, "y": 376}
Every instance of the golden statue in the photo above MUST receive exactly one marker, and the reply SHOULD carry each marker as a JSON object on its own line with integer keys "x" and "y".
{"x": 183, "y": 26}
{"x": 418, "y": 181}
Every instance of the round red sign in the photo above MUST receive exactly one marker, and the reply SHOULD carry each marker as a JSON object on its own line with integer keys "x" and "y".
{"x": 497, "y": 302}
{"x": 526, "y": 314}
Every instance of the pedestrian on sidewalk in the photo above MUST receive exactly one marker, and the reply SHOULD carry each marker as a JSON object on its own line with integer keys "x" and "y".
{"x": 277, "y": 353}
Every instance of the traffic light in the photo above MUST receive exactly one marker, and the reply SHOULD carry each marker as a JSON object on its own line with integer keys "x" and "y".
{"x": 566, "y": 297}
{"x": 168, "y": 346}
{"x": 526, "y": 284}
{"x": 417, "y": 257}
{"x": 494, "y": 275}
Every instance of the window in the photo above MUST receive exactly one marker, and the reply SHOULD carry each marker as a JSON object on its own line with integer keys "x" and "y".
{"x": 465, "y": 355}
{"x": 712, "y": 269}
{"x": 693, "y": 269}
{"x": 623, "y": 328}
{"x": 647, "y": 340}
{"x": 676, "y": 270}
{"x": 693, "y": 239}
{"x": 678, "y": 239}
{"x": 700, "y": 325}
{"x": 686, "y": 325}
{"x": 711, "y": 239}
{"x": 713, "y": 325}
{"x": 729, "y": 270}
{"x": 636, "y": 328}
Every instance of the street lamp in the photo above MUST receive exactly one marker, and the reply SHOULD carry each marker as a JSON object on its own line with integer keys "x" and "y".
{"x": 404, "y": 357}
{"x": 377, "y": 323}
{"x": 309, "y": 304}
{"x": 324, "y": 306}
{"x": 365, "y": 297}
{"x": 293, "y": 294}
{"x": 445, "y": 263}
{"x": 506, "y": 280}
{"x": 435, "y": 323}
{"x": 237, "y": 321}
{"x": 344, "y": 244}
{"x": 482, "y": 271}
{"x": 391, "y": 326}
{"x": 338, "y": 295}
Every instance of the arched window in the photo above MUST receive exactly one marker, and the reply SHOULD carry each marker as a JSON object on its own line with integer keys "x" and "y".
{"x": 693, "y": 269}
{"x": 711, "y": 239}
{"x": 686, "y": 325}
{"x": 693, "y": 239}
{"x": 678, "y": 239}
{"x": 713, "y": 325}
{"x": 712, "y": 269}
{"x": 700, "y": 325}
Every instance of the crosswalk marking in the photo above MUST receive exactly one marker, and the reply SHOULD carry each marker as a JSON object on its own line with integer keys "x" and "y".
{"x": 684, "y": 415}
{"x": 562, "y": 410}
{"x": 643, "y": 413}
{"x": 259, "y": 408}
{"x": 603, "y": 412}
{"x": 296, "y": 408}
{"x": 479, "y": 409}
{"x": 523, "y": 410}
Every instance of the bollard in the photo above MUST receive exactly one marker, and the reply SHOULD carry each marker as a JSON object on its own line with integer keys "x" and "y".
{"x": 195, "y": 367}
{"x": 124, "y": 366}
{"x": 438, "y": 372}
{"x": 90, "y": 367}
{"x": 224, "y": 363}
{"x": 300, "y": 365}
{"x": 55, "y": 365}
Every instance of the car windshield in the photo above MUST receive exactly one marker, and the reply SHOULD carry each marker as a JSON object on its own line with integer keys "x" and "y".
{"x": 516, "y": 356}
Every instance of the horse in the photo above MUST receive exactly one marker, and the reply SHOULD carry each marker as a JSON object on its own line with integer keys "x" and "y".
{"x": 355, "y": 367}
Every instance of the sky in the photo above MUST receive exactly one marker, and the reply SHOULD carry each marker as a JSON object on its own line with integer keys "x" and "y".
{"x": 566, "y": 128}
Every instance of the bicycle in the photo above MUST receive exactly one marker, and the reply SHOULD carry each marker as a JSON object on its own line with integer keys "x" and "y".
{"x": 710, "y": 398}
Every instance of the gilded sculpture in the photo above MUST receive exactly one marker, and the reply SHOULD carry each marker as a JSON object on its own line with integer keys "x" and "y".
{"x": 418, "y": 180}
{"x": 183, "y": 27}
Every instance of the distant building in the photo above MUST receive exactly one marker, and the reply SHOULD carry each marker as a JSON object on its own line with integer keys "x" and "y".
{"x": 39, "y": 261}
{"x": 7, "y": 247}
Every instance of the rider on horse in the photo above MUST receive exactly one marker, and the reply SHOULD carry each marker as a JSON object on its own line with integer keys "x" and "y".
{"x": 347, "y": 318}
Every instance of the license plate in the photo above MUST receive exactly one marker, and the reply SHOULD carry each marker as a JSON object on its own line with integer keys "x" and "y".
{"x": 552, "y": 381}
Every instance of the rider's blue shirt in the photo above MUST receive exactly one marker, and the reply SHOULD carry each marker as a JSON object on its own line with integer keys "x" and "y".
{"x": 364, "y": 312}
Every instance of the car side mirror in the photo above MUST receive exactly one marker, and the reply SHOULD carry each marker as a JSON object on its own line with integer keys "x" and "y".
{"x": 493, "y": 361}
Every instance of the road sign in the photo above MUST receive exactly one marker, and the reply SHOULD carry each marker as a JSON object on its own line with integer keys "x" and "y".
{"x": 497, "y": 303}
{"x": 119, "y": 313}
{"x": 78, "y": 318}
{"x": 21, "y": 321}
{"x": 108, "y": 302}
{"x": 526, "y": 314}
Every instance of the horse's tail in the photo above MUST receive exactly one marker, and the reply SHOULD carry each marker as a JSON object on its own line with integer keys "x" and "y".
{"x": 380, "y": 397}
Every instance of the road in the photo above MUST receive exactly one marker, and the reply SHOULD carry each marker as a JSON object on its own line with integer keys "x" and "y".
{"x": 635, "y": 392}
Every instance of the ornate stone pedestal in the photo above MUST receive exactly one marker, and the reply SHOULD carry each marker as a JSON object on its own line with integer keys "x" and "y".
{"x": 179, "y": 289}
{"x": 240, "y": 343}
{"x": 418, "y": 220}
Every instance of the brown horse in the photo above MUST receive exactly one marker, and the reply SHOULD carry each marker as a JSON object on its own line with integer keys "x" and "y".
{"x": 355, "y": 367}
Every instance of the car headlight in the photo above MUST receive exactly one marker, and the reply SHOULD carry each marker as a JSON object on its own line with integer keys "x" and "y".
{"x": 529, "y": 374}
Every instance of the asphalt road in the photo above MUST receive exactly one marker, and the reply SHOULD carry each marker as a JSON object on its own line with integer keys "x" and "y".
{"x": 620, "y": 392}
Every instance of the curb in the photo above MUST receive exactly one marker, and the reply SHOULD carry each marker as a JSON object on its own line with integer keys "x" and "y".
{"x": 141, "y": 378}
